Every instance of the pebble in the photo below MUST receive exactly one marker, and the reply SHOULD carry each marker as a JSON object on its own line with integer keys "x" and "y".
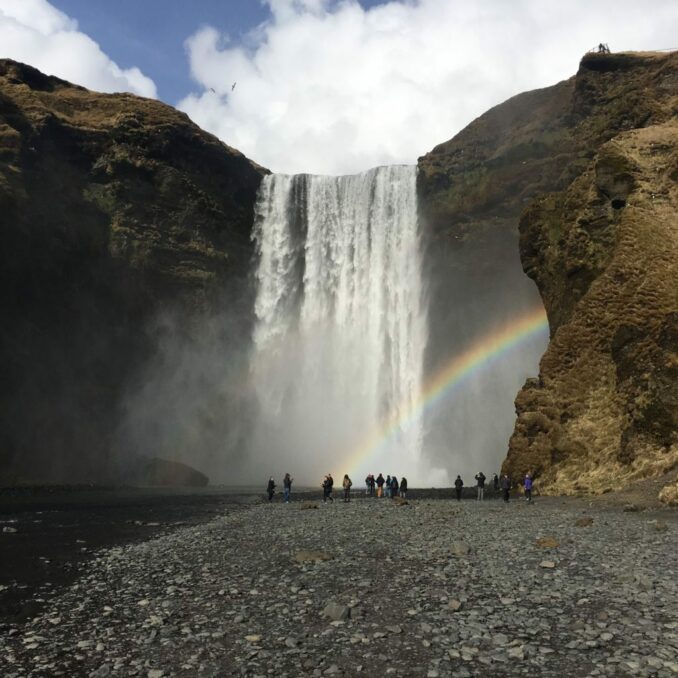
{"x": 269, "y": 591}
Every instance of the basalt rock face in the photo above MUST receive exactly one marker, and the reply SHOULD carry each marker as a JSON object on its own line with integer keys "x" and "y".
{"x": 604, "y": 253}
{"x": 587, "y": 169}
{"x": 114, "y": 210}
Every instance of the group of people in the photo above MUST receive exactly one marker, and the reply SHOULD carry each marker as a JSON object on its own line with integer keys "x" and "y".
{"x": 328, "y": 485}
{"x": 390, "y": 487}
{"x": 385, "y": 487}
{"x": 287, "y": 488}
{"x": 504, "y": 484}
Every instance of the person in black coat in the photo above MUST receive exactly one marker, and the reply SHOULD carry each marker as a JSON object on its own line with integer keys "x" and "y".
{"x": 458, "y": 484}
{"x": 403, "y": 487}
{"x": 480, "y": 481}
{"x": 394, "y": 487}
{"x": 380, "y": 485}
{"x": 506, "y": 487}
{"x": 270, "y": 488}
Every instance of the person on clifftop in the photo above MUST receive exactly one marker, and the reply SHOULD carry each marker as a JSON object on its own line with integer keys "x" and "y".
{"x": 458, "y": 484}
{"x": 270, "y": 488}
{"x": 380, "y": 485}
{"x": 480, "y": 482}
{"x": 347, "y": 487}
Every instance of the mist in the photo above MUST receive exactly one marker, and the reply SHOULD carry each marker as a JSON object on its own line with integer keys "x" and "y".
{"x": 321, "y": 363}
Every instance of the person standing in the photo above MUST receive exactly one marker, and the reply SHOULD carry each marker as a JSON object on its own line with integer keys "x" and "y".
{"x": 347, "y": 487}
{"x": 495, "y": 483}
{"x": 371, "y": 484}
{"x": 380, "y": 485}
{"x": 270, "y": 488}
{"x": 506, "y": 487}
{"x": 458, "y": 484}
{"x": 388, "y": 486}
{"x": 328, "y": 482}
{"x": 403, "y": 487}
{"x": 367, "y": 485}
{"x": 527, "y": 484}
{"x": 480, "y": 482}
{"x": 394, "y": 487}
{"x": 287, "y": 488}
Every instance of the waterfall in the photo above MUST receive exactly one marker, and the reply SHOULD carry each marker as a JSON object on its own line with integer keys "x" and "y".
{"x": 341, "y": 325}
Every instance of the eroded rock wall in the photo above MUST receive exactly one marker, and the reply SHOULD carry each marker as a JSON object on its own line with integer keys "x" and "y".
{"x": 590, "y": 166}
{"x": 604, "y": 410}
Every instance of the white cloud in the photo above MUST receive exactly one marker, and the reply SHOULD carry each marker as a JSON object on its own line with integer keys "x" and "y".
{"x": 36, "y": 33}
{"x": 329, "y": 87}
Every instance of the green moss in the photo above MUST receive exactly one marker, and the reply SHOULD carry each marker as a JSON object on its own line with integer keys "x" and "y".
{"x": 102, "y": 196}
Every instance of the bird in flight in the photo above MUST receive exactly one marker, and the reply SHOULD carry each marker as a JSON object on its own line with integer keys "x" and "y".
{"x": 233, "y": 86}
{"x": 212, "y": 89}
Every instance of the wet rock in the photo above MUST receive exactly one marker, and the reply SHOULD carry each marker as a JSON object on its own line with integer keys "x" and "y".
{"x": 460, "y": 548}
{"x": 631, "y": 508}
{"x": 311, "y": 556}
{"x": 335, "y": 611}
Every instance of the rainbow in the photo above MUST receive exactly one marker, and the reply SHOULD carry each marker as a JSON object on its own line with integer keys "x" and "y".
{"x": 481, "y": 355}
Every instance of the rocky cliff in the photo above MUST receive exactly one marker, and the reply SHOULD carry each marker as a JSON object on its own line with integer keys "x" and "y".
{"x": 114, "y": 210}
{"x": 591, "y": 165}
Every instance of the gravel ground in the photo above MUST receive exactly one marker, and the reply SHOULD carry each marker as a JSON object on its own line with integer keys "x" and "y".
{"x": 432, "y": 588}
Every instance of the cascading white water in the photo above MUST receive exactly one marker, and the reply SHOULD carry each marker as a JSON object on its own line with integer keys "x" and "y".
{"x": 340, "y": 324}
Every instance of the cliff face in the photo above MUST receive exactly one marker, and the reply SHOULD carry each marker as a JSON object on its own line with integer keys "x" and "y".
{"x": 591, "y": 165}
{"x": 604, "y": 252}
{"x": 114, "y": 209}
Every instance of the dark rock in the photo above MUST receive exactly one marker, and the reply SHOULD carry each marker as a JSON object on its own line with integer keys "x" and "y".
{"x": 160, "y": 472}
{"x": 311, "y": 556}
{"x": 336, "y": 612}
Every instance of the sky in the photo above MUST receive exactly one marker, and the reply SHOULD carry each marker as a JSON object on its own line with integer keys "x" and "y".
{"x": 326, "y": 86}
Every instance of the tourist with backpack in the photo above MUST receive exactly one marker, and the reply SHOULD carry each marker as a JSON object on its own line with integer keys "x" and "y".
{"x": 347, "y": 487}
